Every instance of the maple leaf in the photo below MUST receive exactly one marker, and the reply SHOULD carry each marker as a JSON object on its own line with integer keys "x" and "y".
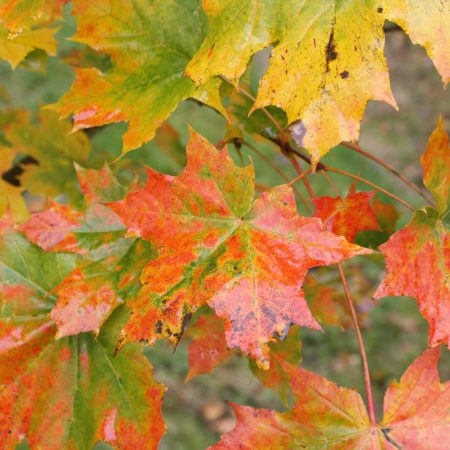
{"x": 321, "y": 302}
{"x": 52, "y": 228}
{"x": 275, "y": 377}
{"x": 10, "y": 194}
{"x": 15, "y": 49}
{"x": 387, "y": 215}
{"x": 246, "y": 259}
{"x": 417, "y": 265}
{"x": 99, "y": 185}
{"x": 48, "y": 388}
{"x": 86, "y": 298}
{"x": 23, "y": 27}
{"x": 150, "y": 46}
{"x": 52, "y": 150}
{"x": 418, "y": 257}
{"x": 436, "y": 163}
{"x": 327, "y": 60}
{"x": 95, "y": 234}
{"x": 113, "y": 263}
{"x": 347, "y": 216}
{"x": 208, "y": 348}
{"x": 88, "y": 295}
{"x": 416, "y": 415}
{"x": 19, "y": 15}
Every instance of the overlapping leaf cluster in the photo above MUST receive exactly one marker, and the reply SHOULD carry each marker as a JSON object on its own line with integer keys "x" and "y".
{"x": 103, "y": 269}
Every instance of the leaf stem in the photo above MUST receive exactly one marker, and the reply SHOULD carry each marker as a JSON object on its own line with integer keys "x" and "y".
{"x": 369, "y": 183}
{"x": 299, "y": 170}
{"x": 381, "y": 162}
{"x": 299, "y": 177}
{"x": 283, "y": 143}
{"x": 362, "y": 347}
{"x": 330, "y": 182}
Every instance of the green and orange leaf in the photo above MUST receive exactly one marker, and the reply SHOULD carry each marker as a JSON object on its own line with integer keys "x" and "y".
{"x": 88, "y": 295}
{"x": 417, "y": 265}
{"x": 418, "y": 256}
{"x": 321, "y": 302}
{"x": 245, "y": 258}
{"x": 436, "y": 167}
{"x": 20, "y": 15}
{"x": 416, "y": 415}
{"x": 99, "y": 185}
{"x": 146, "y": 82}
{"x": 275, "y": 377}
{"x": 386, "y": 213}
{"x": 48, "y": 388}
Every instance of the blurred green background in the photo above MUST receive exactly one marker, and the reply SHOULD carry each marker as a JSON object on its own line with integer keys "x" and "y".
{"x": 395, "y": 333}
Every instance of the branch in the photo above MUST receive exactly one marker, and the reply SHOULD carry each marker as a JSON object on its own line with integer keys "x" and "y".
{"x": 362, "y": 347}
{"x": 387, "y": 166}
{"x": 287, "y": 148}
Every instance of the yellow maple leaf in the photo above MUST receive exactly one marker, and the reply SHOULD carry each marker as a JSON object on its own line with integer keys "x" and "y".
{"x": 327, "y": 60}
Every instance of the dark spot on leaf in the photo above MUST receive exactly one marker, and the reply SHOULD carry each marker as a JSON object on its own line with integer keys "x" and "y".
{"x": 344, "y": 74}
{"x": 380, "y": 9}
{"x": 29, "y": 160}
{"x": 330, "y": 50}
{"x": 11, "y": 176}
{"x": 158, "y": 327}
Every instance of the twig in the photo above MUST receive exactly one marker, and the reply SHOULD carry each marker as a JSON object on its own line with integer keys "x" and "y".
{"x": 362, "y": 347}
{"x": 358, "y": 149}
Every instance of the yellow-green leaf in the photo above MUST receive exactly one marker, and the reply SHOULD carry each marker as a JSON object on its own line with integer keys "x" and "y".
{"x": 327, "y": 60}
{"x": 150, "y": 44}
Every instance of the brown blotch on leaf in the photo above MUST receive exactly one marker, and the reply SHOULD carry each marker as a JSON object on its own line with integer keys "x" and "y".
{"x": 158, "y": 327}
{"x": 380, "y": 9}
{"x": 344, "y": 74}
{"x": 12, "y": 175}
{"x": 330, "y": 50}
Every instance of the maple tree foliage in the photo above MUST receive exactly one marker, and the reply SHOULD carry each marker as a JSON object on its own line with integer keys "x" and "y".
{"x": 246, "y": 258}
{"x": 102, "y": 255}
{"x": 417, "y": 257}
{"x": 326, "y": 414}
